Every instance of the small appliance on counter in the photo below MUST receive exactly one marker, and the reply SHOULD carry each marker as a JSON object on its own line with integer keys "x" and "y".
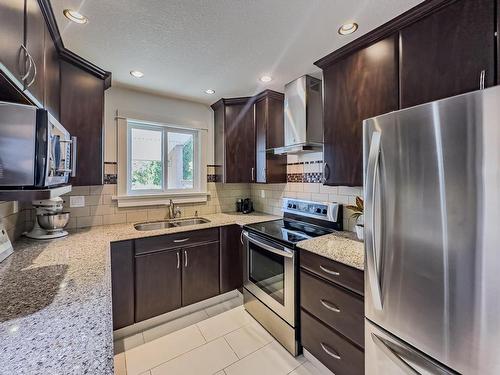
{"x": 50, "y": 220}
{"x": 5, "y": 244}
{"x": 247, "y": 206}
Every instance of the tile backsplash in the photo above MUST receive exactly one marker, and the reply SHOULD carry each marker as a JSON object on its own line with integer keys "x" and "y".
{"x": 267, "y": 197}
{"x": 100, "y": 209}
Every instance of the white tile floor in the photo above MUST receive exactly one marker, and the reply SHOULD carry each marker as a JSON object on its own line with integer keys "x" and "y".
{"x": 220, "y": 340}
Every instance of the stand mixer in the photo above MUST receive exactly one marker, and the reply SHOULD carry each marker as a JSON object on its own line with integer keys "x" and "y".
{"x": 50, "y": 219}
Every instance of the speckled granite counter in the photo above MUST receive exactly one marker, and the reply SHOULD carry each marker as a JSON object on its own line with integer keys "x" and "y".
{"x": 342, "y": 247}
{"x": 55, "y": 299}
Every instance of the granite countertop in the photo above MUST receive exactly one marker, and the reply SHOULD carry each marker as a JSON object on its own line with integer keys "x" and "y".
{"x": 55, "y": 299}
{"x": 343, "y": 247}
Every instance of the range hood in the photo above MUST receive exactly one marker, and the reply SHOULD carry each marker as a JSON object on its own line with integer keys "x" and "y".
{"x": 303, "y": 116}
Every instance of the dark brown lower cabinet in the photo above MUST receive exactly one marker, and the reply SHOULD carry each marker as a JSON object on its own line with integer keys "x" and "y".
{"x": 330, "y": 348}
{"x": 122, "y": 283}
{"x": 200, "y": 272}
{"x": 157, "y": 283}
{"x": 231, "y": 258}
{"x": 332, "y": 313}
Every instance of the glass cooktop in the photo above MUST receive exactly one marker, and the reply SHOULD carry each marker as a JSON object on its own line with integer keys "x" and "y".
{"x": 289, "y": 231}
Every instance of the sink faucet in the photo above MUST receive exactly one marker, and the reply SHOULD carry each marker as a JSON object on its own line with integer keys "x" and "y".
{"x": 172, "y": 210}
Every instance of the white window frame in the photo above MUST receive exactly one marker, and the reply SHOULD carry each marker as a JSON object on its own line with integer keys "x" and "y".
{"x": 127, "y": 197}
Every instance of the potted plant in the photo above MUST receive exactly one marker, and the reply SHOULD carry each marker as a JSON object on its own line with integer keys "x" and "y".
{"x": 357, "y": 214}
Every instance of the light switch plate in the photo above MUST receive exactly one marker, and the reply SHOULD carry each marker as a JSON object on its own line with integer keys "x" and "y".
{"x": 77, "y": 201}
{"x": 262, "y": 193}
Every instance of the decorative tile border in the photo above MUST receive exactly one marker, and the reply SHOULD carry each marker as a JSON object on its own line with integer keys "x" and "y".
{"x": 110, "y": 179}
{"x": 316, "y": 177}
{"x": 211, "y": 178}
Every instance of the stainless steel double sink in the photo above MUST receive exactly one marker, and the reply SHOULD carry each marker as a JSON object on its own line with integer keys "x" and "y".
{"x": 174, "y": 223}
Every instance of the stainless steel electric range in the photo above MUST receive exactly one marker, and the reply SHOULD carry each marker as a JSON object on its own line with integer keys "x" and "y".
{"x": 271, "y": 264}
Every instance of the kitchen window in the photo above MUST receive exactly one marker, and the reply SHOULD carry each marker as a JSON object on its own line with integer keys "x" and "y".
{"x": 158, "y": 162}
{"x": 161, "y": 159}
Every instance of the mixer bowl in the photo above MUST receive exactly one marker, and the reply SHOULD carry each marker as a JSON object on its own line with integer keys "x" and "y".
{"x": 53, "y": 221}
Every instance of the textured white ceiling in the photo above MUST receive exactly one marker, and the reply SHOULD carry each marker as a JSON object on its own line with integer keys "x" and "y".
{"x": 186, "y": 46}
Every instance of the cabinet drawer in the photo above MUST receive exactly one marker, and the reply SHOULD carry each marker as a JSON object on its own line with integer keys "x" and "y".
{"x": 171, "y": 241}
{"x": 348, "y": 277}
{"x": 339, "y": 309}
{"x": 336, "y": 353}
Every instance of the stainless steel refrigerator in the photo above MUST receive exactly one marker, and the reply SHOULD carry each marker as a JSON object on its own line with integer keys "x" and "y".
{"x": 432, "y": 238}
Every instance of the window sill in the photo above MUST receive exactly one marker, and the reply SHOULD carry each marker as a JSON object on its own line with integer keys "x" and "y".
{"x": 160, "y": 199}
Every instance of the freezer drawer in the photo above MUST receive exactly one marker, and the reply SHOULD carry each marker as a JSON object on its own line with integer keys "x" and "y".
{"x": 386, "y": 355}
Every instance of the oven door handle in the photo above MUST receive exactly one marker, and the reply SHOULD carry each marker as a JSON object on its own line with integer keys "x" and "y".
{"x": 287, "y": 253}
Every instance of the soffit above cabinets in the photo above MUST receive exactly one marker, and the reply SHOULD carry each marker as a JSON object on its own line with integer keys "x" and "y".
{"x": 184, "y": 47}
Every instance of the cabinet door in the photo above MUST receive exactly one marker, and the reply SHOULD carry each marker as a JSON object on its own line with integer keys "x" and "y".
{"x": 363, "y": 85}
{"x": 239, "y": 140}
{"x": 157, "y": 284}
{"x": 444, "y": 54}
{"x": 12, "y": 37}
{"x": 260, "y": 140}
{"x": 82, "y": 111}
{"x": 200, "y": 273}
{"x": 52, "y": 76}
{"x": 122, "y": 283}
{"x": 35, "y": 43}
{"x": 269, "y": 123}
{"x": 231, "y": 258}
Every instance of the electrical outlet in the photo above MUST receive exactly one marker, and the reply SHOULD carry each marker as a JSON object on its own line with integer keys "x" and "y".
{"x": 77, "y": 201}
{"x": 262, "y": 193}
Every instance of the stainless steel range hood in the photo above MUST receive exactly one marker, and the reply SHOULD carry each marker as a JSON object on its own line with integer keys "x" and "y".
{"x": 303, "y": 116}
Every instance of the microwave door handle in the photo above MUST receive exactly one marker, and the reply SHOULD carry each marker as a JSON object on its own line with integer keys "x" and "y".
{"x": 287, "y": 253}
{"x": 370, "y": 244}
{"x": 74, "y": 142}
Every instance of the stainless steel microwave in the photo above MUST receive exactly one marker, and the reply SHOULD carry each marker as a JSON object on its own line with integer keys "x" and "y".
{"x": 35, "y": 149}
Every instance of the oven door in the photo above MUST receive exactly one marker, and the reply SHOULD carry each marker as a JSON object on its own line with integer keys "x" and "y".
{"x": 270, "y": 275}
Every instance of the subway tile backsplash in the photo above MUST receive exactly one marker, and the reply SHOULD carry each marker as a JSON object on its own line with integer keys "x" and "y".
{"x": 267, "y": 197}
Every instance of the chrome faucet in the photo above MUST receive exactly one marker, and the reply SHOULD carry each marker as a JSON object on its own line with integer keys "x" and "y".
{"x": 173, "y": 211}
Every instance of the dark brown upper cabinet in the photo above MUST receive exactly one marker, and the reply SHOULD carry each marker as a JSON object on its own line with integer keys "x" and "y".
{"x": 12, "y": 36}
{"x": 35, "y": 44}
{"x": 82, "y": 112}
{"x": 359, "y": 86}
{"x": 269, "y": 123}
{"x": 445, "y": 53}
{"x": 52, "y": 89}
{"x": 234, "y": 134}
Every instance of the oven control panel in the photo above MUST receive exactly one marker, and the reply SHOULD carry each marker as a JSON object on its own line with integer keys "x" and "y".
{"x": 324, "y": 211}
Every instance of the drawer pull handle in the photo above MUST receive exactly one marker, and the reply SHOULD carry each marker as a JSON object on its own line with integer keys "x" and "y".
{"x": 334, "y": 273}
{"x": 330, "y": 306}
{"x": 183, "y": 240}
{"x": 330, "y": 351}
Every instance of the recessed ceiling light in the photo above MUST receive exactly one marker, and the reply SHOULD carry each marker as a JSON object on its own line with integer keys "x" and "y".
{"x": 75, "y": 16}
{"x": 348, "y": 28}
{"x": 210, "y": 91}
{"x": 136, "y": 73}
{"x": 266, "y": 79}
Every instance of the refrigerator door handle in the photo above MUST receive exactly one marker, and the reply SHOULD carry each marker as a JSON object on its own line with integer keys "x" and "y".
{"x": 370, "y": 244}
{"x": 393, "y": 356}
{"x": 397, "y": 352}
